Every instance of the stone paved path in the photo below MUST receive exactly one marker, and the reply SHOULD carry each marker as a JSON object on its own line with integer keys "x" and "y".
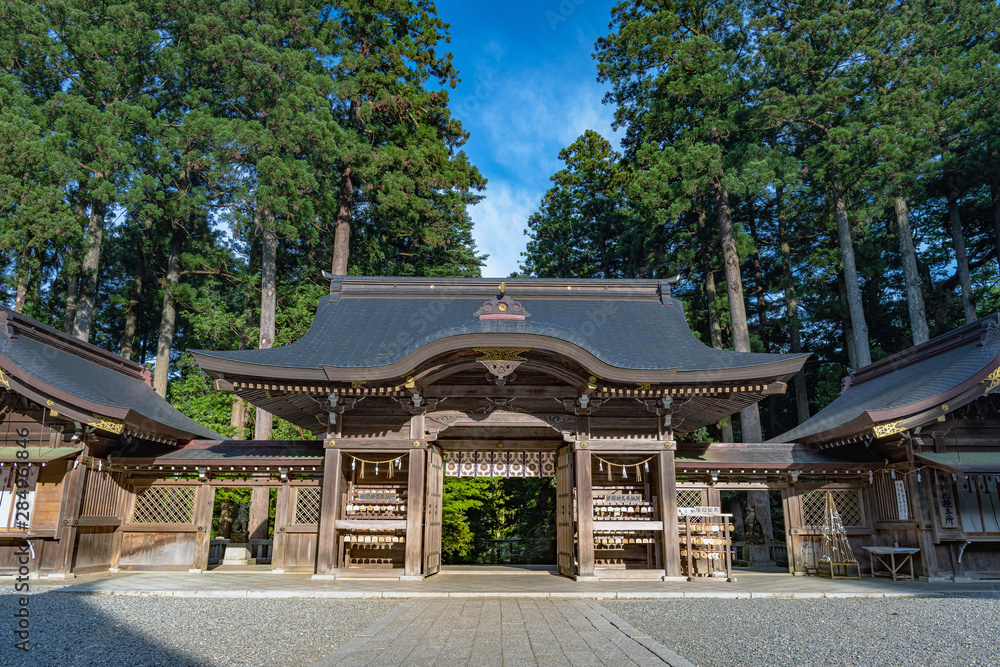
{"x": 501, "y": 631}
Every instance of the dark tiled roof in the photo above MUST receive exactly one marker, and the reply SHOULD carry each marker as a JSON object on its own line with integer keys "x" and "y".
{"x": 902, "y": 384}
{"x": 966, "y": 463}
{"x": 235, "y": 452}
{"x": 747, "y": 456}
{"x": 46, "y": 364}
{"x": 373, "y": 322}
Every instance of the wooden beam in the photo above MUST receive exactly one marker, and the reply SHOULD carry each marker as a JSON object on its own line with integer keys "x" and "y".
{"x": 260, "y": 505}
{"x": 415, "y": 513}
{"x": 585, "y": 514}
{"x": 623, "y": 445}
{"x": 508, "y": 445}
{"x": 204, "y": 502}
{"x": 507, "y": 391}
{"x": 326, "y": 551}
{"x": 668, "y": 511}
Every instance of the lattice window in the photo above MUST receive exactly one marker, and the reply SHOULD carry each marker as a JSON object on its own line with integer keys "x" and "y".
{"x": 307, "y": 504}
{"x": 163, "y": 504}
{"x": 849, "y": 506}
{"x": 688, "y": 498}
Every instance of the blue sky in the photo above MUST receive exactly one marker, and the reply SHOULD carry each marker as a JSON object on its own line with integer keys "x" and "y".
{"x": 529, "y": 89}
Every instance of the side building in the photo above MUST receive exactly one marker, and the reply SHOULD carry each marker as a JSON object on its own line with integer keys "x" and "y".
{"x": 931, "y": 414}
{"x": 64, "y": 406}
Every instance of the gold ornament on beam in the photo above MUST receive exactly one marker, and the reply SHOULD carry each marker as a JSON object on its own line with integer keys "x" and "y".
{"x": 108, "y": 424}
{"x": 992, "y": 381}
{"x": 887, "y": 429}
{"x": 501, "y": 353}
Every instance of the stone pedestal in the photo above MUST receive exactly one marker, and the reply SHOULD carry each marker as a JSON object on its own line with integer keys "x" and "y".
{"x": 237, "y": 553}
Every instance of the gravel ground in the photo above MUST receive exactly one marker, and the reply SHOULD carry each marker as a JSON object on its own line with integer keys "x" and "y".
{"x": 852, "y": 631}
{"x": 73, "y": 629}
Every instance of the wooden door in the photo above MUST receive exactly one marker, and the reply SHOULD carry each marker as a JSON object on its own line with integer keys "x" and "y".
{"x": 432, "y": 511}
{"x": 565, "y": 547}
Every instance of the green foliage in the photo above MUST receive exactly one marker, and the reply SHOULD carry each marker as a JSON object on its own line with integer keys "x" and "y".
{"x": 776, "y": 104}
{"x": 197, "y": 126}
{"x": 479, "y": 513}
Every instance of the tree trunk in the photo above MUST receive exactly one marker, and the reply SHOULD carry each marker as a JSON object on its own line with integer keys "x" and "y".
{"x": 749, "y": 417}
{"x": 961, "y": 257}
{"x": 238, "y": 417}
{"x": 168, "y": 317}
{"x": 342, "y": 231}
{"x": 714, "y": 327}
{"x": 135, "y": 298}
{"x": 791, "y": 307}
{"x": 72, "y": 274}
{"x": 132, "y": 318}
{"x": 914, "y": 295}
{"x": 72, "y": 288}
{"x": 91, "y": 263}
{"x": 849, "y": 340}
{"x": 759, "y": 288}
{"x": 21, "y": 294}
{"x": 859, "y": 329}
{"x": 268, "y": 301}
{"x": 761, "y": 503}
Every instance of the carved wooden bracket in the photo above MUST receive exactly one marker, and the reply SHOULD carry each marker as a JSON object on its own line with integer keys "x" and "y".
{"x": 501, "y": 369}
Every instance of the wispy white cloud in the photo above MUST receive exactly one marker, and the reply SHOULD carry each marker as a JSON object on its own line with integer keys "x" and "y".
{"x": 500, "y": 221}
{"x": 526, "y": 123}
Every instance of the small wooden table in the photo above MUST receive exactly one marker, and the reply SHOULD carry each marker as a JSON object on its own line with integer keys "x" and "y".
{"x": 892, "y": 567}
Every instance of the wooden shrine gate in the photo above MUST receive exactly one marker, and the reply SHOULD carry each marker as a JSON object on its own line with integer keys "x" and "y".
{"x": 432, "y": 511}
{"x": 565, "y": 524}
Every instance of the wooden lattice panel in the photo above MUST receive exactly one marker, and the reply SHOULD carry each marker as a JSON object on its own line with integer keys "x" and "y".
{"x": 163, "y": 504}
{"x": 848, "y": 503}
{"x": 688, "y": 498}
{"x": 307, "y": 504}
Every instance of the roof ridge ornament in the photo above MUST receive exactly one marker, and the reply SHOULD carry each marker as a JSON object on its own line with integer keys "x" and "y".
{"x": 502, "y": 307}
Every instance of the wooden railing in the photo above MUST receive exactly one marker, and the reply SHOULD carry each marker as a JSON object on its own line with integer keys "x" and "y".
{"x": 261, "y": 550}
{"x": 216, "y": 550}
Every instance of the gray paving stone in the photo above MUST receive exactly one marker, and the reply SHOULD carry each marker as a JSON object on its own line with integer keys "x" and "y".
{"x": 507, "y": 632}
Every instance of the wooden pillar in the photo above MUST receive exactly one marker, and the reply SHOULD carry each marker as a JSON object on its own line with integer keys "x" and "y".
{"x": 326, "y": 552}
{"x": 204, "y": 502}
{"x": 668, "y": 512}
{"x": 922, "y": 496}
{"x": 792, "y": 500}
{"x": 584, "y": 515}
{"x": 282, "y": 519}
{"x": 415, "y": 513}
{"x": 72, "y": 500}
{"x": 126, "y": 501}
{"x": 260, "y": 504}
